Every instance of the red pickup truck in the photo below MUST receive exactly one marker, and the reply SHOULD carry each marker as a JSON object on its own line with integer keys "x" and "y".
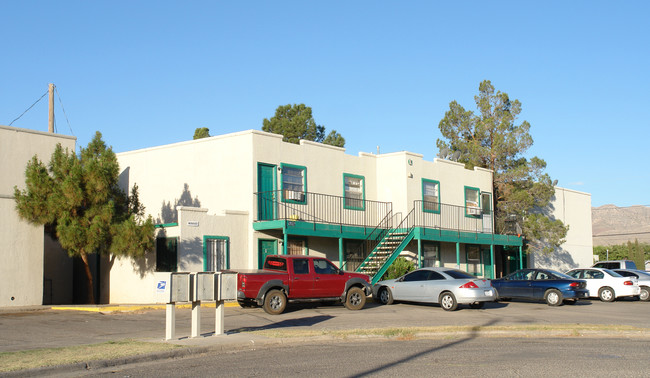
{"x": 300, "y": 278}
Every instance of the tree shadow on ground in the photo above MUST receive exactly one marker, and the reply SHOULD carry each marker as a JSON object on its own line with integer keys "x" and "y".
{"x": 296, "y": 322}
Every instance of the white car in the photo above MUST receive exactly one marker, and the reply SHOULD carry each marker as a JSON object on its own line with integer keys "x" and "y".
{"x": 607, "y": 284}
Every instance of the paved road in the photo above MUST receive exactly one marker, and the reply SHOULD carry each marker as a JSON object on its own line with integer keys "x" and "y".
{"x": 39, "y": 329}
{"x": 463, "y": 356}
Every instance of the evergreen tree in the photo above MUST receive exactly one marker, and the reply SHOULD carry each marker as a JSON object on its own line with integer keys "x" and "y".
{"x": 201, "y": 132}
{"x": 78, "y": 200}
{"x": 295, "y": 122}
{"x": 492, "y": 139}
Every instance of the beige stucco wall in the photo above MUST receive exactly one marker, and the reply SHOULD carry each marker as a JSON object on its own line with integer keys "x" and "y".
{"x": 22, "y": 244}
{"x": 573, "y": 208}
{"x": 133, "y": 281}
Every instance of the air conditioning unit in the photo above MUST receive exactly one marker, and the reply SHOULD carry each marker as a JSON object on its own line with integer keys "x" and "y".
{"x": 474, "y": 211}
{"x": 294, "y": 196}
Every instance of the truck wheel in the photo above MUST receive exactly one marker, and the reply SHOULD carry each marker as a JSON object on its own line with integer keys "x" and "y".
{"x": 356, "y": 299}
{"x": 275, "y": 302}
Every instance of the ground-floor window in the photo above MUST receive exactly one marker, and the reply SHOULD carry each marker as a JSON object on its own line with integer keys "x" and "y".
{"x": 430, "y": 254}
{"x": 166, "y": 254}
{"x": 353, "y": 254}
{"x": 215, "y": 253}
{"x": 296, "y": 247}
{"x": 473, "y": 258}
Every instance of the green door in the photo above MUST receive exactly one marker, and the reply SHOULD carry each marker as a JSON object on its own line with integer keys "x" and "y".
{"x": 487, "y": 263}
{"x": 266, "y": 191}
{"x": 266, "y": 247}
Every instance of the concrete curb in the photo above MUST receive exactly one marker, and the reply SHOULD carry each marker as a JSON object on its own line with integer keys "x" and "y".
{"x": 132, "y": 308}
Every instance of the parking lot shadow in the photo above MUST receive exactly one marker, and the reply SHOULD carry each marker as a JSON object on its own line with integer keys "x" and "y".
{"x": 296, "y": 322}
{"x": 473, "y": 334}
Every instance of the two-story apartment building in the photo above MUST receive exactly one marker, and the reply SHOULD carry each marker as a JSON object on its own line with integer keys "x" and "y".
{"x": 228, "y": 201}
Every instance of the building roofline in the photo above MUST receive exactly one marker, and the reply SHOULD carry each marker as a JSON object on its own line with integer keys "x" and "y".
{"x": 36, "y": 132}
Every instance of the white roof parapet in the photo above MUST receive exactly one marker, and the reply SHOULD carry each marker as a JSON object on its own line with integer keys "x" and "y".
{"x": 192, "y": 208}
{"x": 202, "y": 140}
{"x": 44, "y": 133}
{"x": 304, "y": 142}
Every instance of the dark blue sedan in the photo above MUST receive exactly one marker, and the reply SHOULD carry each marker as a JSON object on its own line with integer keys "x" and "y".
{"x": 549, "y": 285}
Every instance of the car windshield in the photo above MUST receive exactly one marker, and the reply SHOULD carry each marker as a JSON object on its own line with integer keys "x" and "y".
{"x": 458, "y": 274}
{"x": 612, "y": 273}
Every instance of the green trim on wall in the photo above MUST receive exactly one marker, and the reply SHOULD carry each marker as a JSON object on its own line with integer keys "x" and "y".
{"x": 304, "y": 182}
{"x": 363, "y": 193}
{"x": 478, "y": 192}
{"x": 205, "y": 250}
{"x": 425, "y": 181}
{"x": 163, "y": 225}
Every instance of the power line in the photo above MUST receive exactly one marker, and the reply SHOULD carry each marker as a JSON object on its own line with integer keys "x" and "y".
{"x": 44, "y": 94}
{"x": 62, "y": 108}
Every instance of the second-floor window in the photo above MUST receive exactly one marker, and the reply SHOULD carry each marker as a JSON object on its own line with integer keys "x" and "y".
{"x": 431, "y": 196}
{"x": 294, "y": 183}
{"x": 354, "y": 187}
{"x": 472, "y": 202}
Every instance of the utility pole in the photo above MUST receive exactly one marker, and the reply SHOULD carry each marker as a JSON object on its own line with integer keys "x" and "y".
{"x": 50, "y": 123}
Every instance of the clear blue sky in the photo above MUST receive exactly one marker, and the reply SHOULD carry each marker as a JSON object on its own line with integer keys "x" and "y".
{"x": 147, "y": 73}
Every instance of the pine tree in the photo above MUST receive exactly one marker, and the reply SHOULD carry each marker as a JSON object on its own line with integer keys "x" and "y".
{"x": 77, "y": 199}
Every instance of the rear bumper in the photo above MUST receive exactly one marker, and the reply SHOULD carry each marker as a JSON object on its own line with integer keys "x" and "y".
{"x": 576, "y": 294}
{"x": 486, "y": 294}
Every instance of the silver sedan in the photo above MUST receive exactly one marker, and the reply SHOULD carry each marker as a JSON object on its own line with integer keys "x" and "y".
{"x": 446, "y": 286}
{"x": 644, "y": 281}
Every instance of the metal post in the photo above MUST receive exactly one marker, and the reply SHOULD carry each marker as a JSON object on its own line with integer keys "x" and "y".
{"x": 419, "y": 253}
{"x": 341, "y": 253}
{"x": 494, "y": 265}
{"x": 196, "y": 318}
{"x": 457, "y": 255}
{"x": 170, "y": 321}
{"x": 50, "y": 123}
{"x": 219, "y": 318}
{"x": 521, "y": 258}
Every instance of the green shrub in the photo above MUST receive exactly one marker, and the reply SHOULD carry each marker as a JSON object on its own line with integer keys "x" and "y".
{"x": 400, "y": 267}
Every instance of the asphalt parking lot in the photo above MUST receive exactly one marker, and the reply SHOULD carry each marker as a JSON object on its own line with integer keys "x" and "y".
{"x": 46, "y": 328}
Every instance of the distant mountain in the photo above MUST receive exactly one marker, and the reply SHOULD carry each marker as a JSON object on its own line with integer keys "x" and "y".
{"x": 611, "y": 224}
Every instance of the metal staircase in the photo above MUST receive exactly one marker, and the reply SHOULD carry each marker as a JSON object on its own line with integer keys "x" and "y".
{"x": 387, "y": 249}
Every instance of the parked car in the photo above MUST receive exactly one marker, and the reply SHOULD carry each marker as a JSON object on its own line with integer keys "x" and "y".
{"x": 644, "y": 281}
{"x": 553, "y": 287}
{"x": 615, "y": 264}
{"x": 606, "y": 284}
{"x": 300, "y": 278}
{"x": 445, "y": 286}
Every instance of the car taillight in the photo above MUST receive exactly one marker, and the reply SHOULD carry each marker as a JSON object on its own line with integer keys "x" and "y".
{"x": 469, "y": 285}
{"x": 574, "y": 284}
{"x": 628, "y": 283}
{"x": 243, "y": 282}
